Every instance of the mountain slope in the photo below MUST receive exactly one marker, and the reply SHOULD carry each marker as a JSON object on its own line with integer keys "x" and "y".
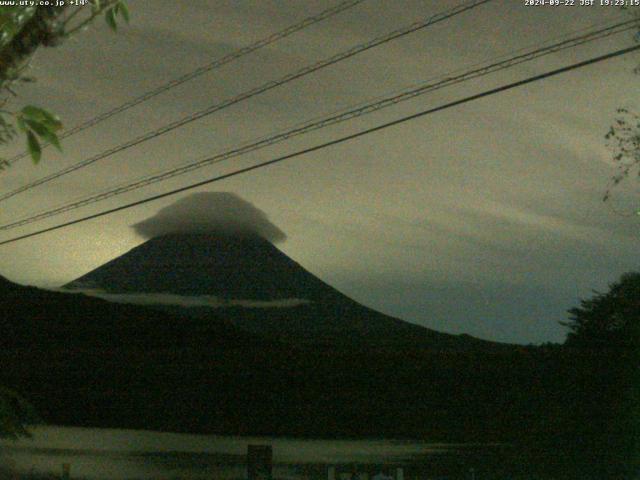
{"x": 87, "y": 362}
{"x": 34, "y": 318}
{"x": 239, "y": 271}
{"x": 198, "y": 264}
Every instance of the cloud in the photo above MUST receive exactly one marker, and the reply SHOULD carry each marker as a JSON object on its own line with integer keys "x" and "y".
{"x": 210, "y": 212}
{"x": 210, "y": 301}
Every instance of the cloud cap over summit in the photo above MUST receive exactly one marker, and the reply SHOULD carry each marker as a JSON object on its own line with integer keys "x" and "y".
{"x": 210, "y": 213}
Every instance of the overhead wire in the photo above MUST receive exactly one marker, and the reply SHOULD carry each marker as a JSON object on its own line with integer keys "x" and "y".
{"x": 333, "y": 142}
{"x": 241, "y": 52}
{"x": 431, "y": 20}
{"x": 333, "y": 119}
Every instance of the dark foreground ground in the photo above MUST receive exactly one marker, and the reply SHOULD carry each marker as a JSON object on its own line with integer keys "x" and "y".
{"x": 568, "y": 412}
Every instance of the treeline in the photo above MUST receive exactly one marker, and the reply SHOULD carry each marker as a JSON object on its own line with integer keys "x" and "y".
{"x": 570, "y": 411}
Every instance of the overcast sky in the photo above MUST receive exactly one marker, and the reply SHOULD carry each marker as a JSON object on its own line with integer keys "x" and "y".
{"x": 485, "y": 219}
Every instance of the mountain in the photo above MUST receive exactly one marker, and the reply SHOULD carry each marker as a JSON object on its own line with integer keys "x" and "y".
{"x": 88, "y": 362}
{"x": 198, "y": 362}
{"x": 35, "y": 318}
{"x": 83, "y": 361}
{"x": 247, "y": 281}
{"x": 231, "y": 267}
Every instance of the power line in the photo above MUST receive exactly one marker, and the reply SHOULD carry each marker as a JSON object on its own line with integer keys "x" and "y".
{"x": 290, "y": 30}
{"x": 253, "y": 92}
{"x": 337, "y": 141}
{"x": 349, "y": 114}
{"x": 330, "y": 120}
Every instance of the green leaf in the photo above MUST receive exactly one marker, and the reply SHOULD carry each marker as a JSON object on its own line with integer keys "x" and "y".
{"x": 45, "y": 132}
{"x": 40, "y": 115}
{"x": 32, "y": 112}
{"x": 110, "y": 17}
{"x": 53, "y": 139}
{"x": 34, "y": 147}
{"x": 37, "y": 127}
{"x": 123, "y": 10}
{"x": 20, "y": 123}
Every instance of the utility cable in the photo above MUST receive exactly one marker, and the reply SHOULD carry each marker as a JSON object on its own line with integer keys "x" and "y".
{"x": 439, "y": 17}
{"x": 336, "y": 141}
{"x": 290, "y": 30}
{"x": 327, "y": 121}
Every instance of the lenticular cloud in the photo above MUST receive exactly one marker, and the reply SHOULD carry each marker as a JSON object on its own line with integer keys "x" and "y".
{"x": 211, "y": 213}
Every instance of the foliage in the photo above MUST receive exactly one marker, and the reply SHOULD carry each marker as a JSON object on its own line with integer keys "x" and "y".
{"x": 608, "y": 319}
{"x": 24, "y": 29}
{"x": 15, "y": 413}
{"x": 604, "y": 338}
{"x": 623, "y": 137}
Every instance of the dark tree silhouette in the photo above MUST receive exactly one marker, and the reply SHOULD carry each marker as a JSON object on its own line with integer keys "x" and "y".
{"x": 605, "y": 338}
{"x": 23, "y": 30}
{"x": 609, "y": 319}
{"x": 15, "y": 413}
